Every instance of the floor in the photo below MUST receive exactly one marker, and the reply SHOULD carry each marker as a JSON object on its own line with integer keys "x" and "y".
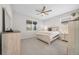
{"x": 36, "y": 47}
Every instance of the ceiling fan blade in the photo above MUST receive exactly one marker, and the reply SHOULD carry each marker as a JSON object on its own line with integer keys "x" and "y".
{"x": 48, "y": 11}
{"x": 38, "y": 14}
{"x": 38, "y": 10}
{"x": 44, "y": 8}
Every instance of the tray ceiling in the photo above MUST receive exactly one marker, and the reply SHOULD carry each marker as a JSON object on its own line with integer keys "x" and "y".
{"x": 29, "y": 9}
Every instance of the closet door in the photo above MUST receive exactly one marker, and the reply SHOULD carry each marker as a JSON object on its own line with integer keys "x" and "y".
{"x": 76, "y": 37}
{"x": 73, "y": 45}
{"x": 71, "y": 38}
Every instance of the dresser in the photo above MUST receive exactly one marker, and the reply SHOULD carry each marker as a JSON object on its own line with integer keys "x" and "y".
{"x": 11, "y": 42}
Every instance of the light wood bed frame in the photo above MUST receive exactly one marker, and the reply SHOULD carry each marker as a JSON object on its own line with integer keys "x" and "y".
{"x": 45, "y": 37}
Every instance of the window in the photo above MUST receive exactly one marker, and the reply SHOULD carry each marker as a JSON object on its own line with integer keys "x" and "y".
{"x": 31, "y": 25}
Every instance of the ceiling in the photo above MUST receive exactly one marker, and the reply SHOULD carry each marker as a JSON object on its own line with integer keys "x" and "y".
{"x": 29, "y": 9}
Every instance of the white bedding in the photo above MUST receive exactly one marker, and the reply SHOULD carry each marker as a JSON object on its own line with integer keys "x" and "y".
{"x": 47, "y": 36}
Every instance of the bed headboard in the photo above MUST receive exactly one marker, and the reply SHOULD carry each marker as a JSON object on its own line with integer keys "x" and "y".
{"x": 56, "y": 28}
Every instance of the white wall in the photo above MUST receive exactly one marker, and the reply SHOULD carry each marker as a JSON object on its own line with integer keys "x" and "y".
{"x": 56, "y": 21}
{"x": 40, "y": 25}
{"x": 52, "y": 22}
{"x": 0, "y": 19}
{"x": 19, "y": 21}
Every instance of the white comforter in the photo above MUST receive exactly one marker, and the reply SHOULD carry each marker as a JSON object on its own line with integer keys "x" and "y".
{"x": 47, "y": 36}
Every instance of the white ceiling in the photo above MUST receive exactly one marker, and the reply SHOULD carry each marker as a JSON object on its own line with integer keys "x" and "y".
{"x": 29, "y": 9}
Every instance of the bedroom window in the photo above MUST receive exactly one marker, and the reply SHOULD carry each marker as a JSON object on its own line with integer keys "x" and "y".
{"x": 31, "y": 25}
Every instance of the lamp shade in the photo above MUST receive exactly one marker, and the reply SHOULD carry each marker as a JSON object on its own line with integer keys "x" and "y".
{"x": 34, "y": 22}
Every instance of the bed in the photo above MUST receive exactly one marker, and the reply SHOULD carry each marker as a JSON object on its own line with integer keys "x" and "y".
{"x": 48, "y": 36}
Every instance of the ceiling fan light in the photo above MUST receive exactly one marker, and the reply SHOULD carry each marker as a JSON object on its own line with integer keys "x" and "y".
{"x": 42, "y": 14}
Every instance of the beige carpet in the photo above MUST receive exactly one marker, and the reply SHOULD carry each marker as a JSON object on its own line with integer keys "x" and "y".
{"x": 35, "y": 47}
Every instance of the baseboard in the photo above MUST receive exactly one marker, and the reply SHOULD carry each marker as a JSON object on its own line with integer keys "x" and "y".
{"x": 28, "y": 38}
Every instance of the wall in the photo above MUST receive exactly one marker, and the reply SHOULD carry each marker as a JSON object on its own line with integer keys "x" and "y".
{"x": 56, "y": 21}
{"x": 20, "y": 25}
{"x": 0, "y": 19}
{"x": 40, "y": 25}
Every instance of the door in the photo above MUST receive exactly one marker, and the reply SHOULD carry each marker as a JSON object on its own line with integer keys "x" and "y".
{"x": 73, "y": 46}
{"x": 76, "y": 37}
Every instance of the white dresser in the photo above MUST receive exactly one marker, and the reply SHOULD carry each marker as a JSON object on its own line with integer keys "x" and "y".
{"x": 11, "y": 43}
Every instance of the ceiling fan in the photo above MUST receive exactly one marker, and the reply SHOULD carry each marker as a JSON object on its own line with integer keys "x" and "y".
{"x": 43, "y": 11}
